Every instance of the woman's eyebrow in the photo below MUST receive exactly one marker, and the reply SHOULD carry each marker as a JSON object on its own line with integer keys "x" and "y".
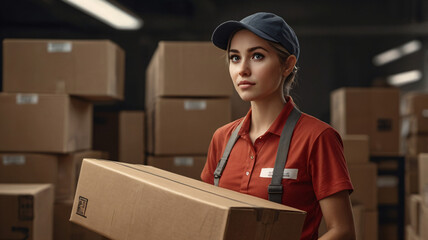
{"x": 250, "y": 49}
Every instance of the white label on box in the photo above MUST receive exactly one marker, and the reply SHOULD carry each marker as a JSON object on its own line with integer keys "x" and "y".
{"x": 183, "y": 161}
{"x": 289, "y": 173}
{"x": 387, "y": 181}
{"x": 13, "y": 160}
{"x": 425, "y": 113}
{"x": 59, "y": 47}
{"x": 195, "y": 105}
{"x": 27, "y": 98}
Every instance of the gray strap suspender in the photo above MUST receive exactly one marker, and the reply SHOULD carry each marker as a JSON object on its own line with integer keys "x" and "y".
{"x": 275, "y": 189}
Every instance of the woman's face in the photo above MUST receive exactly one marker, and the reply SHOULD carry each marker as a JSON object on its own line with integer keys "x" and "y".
{"x": 254, "y": 67}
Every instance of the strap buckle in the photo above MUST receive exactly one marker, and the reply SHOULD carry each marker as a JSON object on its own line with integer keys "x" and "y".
{"x": 275, "y": 189}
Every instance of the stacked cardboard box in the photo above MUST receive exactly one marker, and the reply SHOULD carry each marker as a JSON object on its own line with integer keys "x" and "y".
{"x": 122, "y": 134}
{"x": 418, "y": 204}
{"x": 375, "y": 112}
{"x": 47, "y": 112}
{"x": 188, "y": 92}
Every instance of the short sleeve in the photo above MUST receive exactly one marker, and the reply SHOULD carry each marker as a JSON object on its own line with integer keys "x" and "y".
{"x": 327, "y": 165}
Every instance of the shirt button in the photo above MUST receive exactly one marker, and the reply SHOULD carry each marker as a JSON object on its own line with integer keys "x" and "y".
{"x": 247, "y": 173}
{"x": 252, "y": 157}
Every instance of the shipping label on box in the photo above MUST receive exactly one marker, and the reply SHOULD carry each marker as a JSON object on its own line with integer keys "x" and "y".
{"x": 92, "y": 69}
{"x": 127, "y": 201}
{"x": 26, "y": 211}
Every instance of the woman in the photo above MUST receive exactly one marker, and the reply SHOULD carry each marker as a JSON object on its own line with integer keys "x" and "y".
{"x": 263, "y": 51}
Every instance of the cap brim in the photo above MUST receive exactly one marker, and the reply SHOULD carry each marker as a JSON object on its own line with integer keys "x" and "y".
{"x": 222, "y": 33}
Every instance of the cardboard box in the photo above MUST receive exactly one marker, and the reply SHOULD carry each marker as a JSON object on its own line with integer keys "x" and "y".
{"x": 132, "y": 147}
{"x": 187, "y": 69}
{"x": 387, "y": 189}
{"x": 60, "y": 170}
{"x": 54, "y": 123}
{"x": 127, "y": 201}
{"x": 410, "y": 234}
{"x": 364, "y": 179}
{"x": 415, "y": 107}
{"x": 66, "y": 230}
{"x": 415, "y": 212}
{"x": 369, "y": 111}
{"x": 189, "y": 166}
{"x": 411, "y": 176}
{"x": 26, "y": 211}
{"x": 356, "y": 148}
{"x": 416, "y": 144}
{"x": 370, "y": 225}
{"x": 424, "y": 222}
{"x": 94, "y": 69}
{"x": 106, "y": 133}
{"x": 388, "y": 231}
{"x": 180, "y": 126}
{"x": 423, "y": 177}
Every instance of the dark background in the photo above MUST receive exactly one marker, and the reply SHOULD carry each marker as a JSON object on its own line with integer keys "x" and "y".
{"x": 338, "y": 37}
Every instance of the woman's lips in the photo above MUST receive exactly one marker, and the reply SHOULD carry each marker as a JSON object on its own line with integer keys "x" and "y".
{"x": 245, "y": 84}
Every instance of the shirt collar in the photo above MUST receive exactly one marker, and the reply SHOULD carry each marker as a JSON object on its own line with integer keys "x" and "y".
{"x": 277, "y": 125}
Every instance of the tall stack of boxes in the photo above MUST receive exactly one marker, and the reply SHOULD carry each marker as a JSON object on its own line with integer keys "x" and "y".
{"x": 188, "y": 92}
{"x": 46, "y": 125}
{"x": 415, "y": 135}
{"x": 373, "y": 112}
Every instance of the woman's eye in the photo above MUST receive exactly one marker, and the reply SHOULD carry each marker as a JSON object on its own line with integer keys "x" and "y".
{"x": 258, "y": 56}
{"x": 234, "y": 58}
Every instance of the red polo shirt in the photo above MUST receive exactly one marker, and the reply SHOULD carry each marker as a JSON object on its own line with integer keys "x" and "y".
{"x": 316, "y": 165}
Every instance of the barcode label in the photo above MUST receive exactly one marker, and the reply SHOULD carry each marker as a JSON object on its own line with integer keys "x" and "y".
{"x": 195, "y": 105}
{"x": 27, "y": 98}
{"x": 59, "y": 47}
{"x": 183, "y": 161}
{"x": 13, "y": 160}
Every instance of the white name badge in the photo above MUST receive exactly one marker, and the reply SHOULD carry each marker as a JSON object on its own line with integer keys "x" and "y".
{"x": 289, "y": 173}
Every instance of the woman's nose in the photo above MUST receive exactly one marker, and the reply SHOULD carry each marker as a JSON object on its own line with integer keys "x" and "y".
{"x": 244, "y": 69}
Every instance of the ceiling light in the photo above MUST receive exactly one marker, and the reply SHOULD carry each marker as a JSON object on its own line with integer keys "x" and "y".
{"x": 108, "y": 13}
{"x": 404, "y": 78}
{"x": 396, "y": 53}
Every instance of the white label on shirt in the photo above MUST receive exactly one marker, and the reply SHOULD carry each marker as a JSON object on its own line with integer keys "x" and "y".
{"x": 289, "y": 173}
{"x": 59, "y": 47}
{"x": 13, "y": 160}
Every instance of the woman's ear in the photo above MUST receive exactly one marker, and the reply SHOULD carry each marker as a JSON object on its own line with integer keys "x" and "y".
{"x": 289, "y": 65}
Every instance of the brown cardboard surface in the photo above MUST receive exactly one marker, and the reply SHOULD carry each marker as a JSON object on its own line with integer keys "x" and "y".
{"x": 410, "y": 234}
{"x": 416, "y": 143}
{"x": 388, "y": 231}
{"x": 132, "y": 137}
{"x": 187, "y": 69}
{"x": 415, "y": 212}
{"x": 423, "y": 177}
{"x": 189, "y": 166}
{"x": 356, "y": 148}
{"x": 411, "y": 176}
{"x": 127, "y": 201}
{"x": 415, "y": 110}
{"x": 369, "y": 111}
{"x": 61, "y": 170}
{"x": 54, "y": 123}
{"x": 66, "y": 230}
{"x": 370, "y": 225}
{"x": 106, "y": 133}
{"x": 26, "y": 211}
{"x": 184, "y": 126}
{"x": 358, "y": 214}
{"x": 387, "y": 189}
{"x": 93, "y": 69}
{"x": 364, "y": 179}
{"x": 423, "y": 229}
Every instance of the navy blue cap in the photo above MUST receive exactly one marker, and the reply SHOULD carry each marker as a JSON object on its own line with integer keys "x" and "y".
{"x": 265, "y": 25}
